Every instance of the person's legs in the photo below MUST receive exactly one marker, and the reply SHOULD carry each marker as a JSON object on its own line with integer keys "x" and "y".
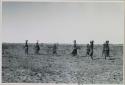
{"x": 74, "y": 52}
{"x": 106, "y": 54}
{"x": 91, "y": 54}
{"x": 54, "y": 52}
{"x": 92, "y": 57}
{"x": 26, "y": 51}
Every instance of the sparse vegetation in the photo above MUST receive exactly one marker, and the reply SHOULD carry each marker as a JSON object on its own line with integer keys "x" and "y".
{"x": 63, "y": 67}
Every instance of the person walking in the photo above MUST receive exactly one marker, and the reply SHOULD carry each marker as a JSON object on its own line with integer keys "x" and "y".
{"x": 91, "y": 49}
{"x": 107, "y": 49}
{"x": 37, "y": 48}
{"x": 55, "y": 49}
{"x": 74, "y": 52}
{"x": 87, "y": 49}
{"x": 26, "y": 47}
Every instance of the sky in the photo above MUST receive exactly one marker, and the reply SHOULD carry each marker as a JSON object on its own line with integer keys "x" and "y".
{"x": 62, "y": 22}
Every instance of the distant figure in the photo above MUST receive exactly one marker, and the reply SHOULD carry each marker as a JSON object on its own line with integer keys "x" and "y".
{"x": 55, "y": 49}
{"x": 91, "y": 49}
{"x": 103, "y": 50}
{"x": 74, "y": 44}
{"x": 74, "y": 52}
{"x": 37, "y": 48}
{"x": 106, "y": 49}
{"x": 26, "y": 47}
{"x": 87, "y": 49}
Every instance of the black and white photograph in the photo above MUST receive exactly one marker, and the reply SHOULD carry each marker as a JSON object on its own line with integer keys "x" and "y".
{"x": 62, "y": 42}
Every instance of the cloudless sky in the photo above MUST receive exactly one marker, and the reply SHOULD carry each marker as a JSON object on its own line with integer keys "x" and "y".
{"x": 62, "y": 22}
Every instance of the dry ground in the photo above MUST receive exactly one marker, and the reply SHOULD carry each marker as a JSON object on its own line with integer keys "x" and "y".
{"x": 61, "y": 68}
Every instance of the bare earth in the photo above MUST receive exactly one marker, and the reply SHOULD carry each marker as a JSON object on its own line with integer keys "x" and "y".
{"x": 63, "y": 67}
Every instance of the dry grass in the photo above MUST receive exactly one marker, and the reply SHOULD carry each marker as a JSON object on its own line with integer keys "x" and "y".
{"x": 61, "y": 68}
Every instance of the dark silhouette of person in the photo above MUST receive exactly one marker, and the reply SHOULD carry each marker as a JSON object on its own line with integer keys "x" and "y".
{"x": 106, "y": 49}
{"x": 55, "y": 49}
{"x": 91, "y": 49}
{"x": 103, "y": 50}
{"x": 87, "y": 49}
{"x": 26, "y": 47}
{"x": 74, "y": 52}
{"x": 37, "y": 48}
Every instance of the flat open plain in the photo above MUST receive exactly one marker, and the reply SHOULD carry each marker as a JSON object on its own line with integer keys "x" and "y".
{"x": 63, "y": 67}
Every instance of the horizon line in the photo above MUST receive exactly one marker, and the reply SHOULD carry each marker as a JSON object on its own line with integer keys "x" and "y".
{"x": 53, "y": 43}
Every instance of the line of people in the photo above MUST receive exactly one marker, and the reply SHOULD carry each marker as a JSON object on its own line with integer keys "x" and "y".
{"x": 89, "y": 49}
{"x": 37, "y": 48}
